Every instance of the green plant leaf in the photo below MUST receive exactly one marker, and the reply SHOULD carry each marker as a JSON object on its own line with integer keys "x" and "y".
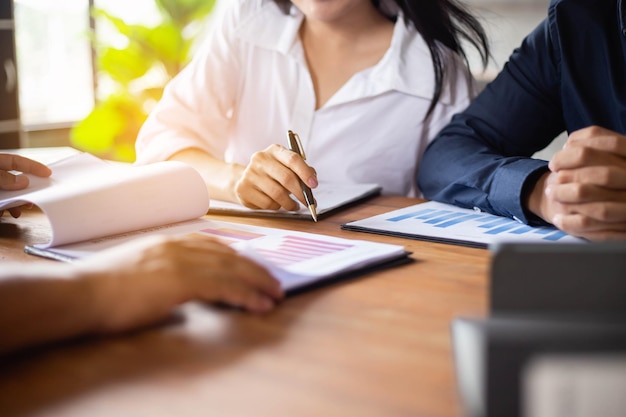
{"x": 96, "y": 133}
{"x": 125, "y": 65}
{"x": 183, "y": 12}
{"x": 166, "y": 44}
{"x": 140, "y": 70}
{"x": 119, "y": 24}
{"x": 111, "y": 128}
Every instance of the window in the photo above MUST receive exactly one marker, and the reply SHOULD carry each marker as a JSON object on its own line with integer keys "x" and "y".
{"x": 54, "y": 55}
{"x": 53, "y": 60}
{"x": 506, "y": 22}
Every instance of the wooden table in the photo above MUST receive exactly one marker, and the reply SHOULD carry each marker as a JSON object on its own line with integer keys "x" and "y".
{"x": 378, "y": 345}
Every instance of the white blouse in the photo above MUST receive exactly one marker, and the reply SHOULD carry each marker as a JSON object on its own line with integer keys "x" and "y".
{"x": 249, "y": 83}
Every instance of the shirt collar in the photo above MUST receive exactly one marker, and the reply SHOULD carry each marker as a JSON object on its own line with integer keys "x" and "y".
{"x": 406, "y": 66}
{"x": 271, "y": 28}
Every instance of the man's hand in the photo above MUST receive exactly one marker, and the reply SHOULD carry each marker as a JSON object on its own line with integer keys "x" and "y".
{"x": 143, "y": 281}
{"x": 126, "y": 287}
{"x": 11, "y": 182}
{"x": 585, "y": 192}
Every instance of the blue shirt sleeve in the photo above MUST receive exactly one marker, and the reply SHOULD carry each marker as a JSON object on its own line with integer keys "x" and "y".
{"x": 482, "y": 159}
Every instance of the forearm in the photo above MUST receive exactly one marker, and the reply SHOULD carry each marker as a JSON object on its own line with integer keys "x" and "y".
{"x": 535, "y": 201}
{"x": 49, "y": 302}
{"x": 219, "y": 176}
{"x": 461, "y": 170}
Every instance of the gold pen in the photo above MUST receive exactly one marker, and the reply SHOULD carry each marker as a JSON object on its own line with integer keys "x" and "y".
{"x": 295, "y": 145}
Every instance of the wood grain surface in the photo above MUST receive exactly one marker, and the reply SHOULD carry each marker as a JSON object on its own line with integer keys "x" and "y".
{"x": 376, "y": 345}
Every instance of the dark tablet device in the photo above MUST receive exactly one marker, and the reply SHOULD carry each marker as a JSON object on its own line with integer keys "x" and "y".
{"x": 587, "y": 279}
{"x": 490, "y": 355}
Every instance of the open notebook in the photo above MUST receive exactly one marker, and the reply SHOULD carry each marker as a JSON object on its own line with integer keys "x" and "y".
{"x": 87, "y": 198}
{"x": 329, "y": 197}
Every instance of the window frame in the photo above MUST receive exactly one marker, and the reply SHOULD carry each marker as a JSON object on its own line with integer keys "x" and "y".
{"x": 57, "y": 133}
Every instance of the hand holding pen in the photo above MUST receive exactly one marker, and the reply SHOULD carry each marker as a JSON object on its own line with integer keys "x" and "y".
{"x": 272, "y": 177}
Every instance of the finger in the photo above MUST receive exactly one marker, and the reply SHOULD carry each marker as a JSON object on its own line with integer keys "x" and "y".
{"x": 608, "y": 212}
{"x": 260, "y": 279}
{"x": 281, "y": 165}
{"x": 604, "y": 235}
{"x": 265, "y": 194}
{"x": 10, "y": 162}
{"x": 211, "y": 269}
{"x": 242, "y": 296}
{"x": 574, "y": 157}
{"x": 202, "y": 269}
{"x": 266, "y": 183}
{"x": 604, "y": 176}
{"x": 248, "y": 193}
{"x": 253, "y": 275}
{"x": 584, "y": 193}
{"x": 276, "y": 192}
{"x": 15, "y": 212}
{"x": 296, "y": 164}
{"x": 10, "y": 182}
{"x": 599, "y": 138}
{"x": 233, "y": 288}
{"x": 579, "y": 224}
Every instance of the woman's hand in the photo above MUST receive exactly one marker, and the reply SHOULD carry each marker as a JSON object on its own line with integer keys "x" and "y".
{"x": 271, "y": 177}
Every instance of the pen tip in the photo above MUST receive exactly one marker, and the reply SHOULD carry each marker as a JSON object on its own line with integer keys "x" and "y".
{"x": 313, "y": 212}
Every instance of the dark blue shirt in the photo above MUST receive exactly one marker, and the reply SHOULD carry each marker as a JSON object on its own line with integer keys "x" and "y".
{"x": 568, "y": 74}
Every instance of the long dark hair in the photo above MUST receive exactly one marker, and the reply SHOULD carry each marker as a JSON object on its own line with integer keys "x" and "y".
{"x": 448, "y": 22}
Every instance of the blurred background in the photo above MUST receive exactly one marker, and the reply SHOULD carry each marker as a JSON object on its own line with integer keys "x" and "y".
{"x": 88, "y": 71}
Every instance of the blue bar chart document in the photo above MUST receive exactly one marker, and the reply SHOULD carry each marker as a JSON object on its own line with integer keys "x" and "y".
{"x": 445, "y": 223}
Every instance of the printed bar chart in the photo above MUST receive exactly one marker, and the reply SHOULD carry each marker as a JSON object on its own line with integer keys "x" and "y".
{"x": 294, "y": 249}
{"x": 282, "y": 250}
{"x": 446, "y": 223}
{"x": 490, "y": 225}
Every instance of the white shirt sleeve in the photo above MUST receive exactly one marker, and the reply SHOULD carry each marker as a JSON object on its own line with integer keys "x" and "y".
{"x": 196, "y": 106}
